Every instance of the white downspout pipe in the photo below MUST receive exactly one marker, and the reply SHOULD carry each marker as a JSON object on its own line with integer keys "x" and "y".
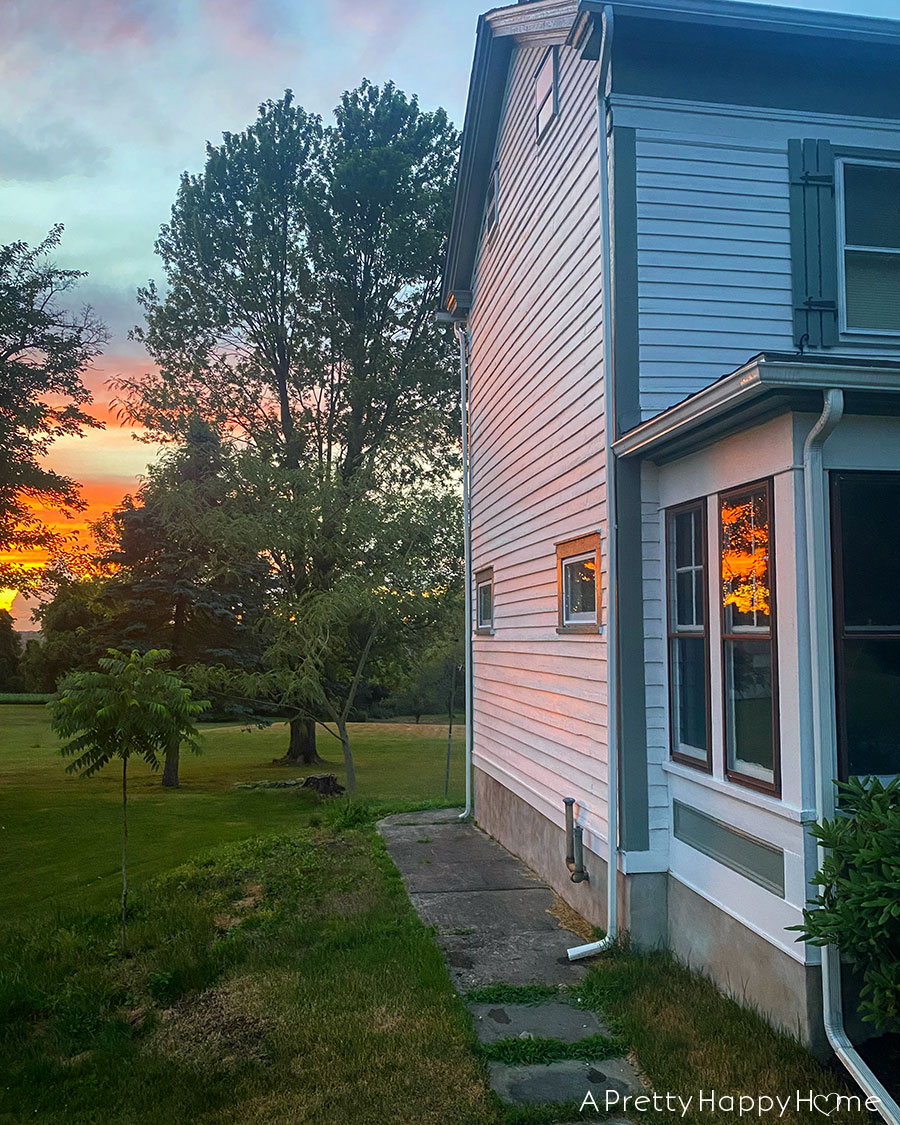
{"x": 612, "y": 647}
{"x": 462, "y": 335}
{"x": 824, "y": 727}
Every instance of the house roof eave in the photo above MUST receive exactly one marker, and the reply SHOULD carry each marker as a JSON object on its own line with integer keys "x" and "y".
{"x": 765, "y": 385}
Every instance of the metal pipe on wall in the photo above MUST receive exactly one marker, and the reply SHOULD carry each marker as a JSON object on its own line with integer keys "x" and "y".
{"x": 825, "y": 725}
{"x": 462, "y": 334}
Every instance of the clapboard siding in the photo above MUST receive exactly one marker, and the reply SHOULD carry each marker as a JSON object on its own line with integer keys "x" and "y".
{"x": 538, "y": 448}
{"x": 714, "y": 266}
{"x": 655, "y": 682}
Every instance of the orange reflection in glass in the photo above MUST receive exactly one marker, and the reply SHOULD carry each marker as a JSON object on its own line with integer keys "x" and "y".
{"x": 745, "y": 554}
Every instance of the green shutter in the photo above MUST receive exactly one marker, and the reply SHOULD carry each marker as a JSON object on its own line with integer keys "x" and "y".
{"x": 813, "y": 243}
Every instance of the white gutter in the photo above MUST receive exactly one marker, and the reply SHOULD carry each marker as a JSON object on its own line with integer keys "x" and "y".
{"x": 824, "y": 727}
{"x": 462, "y": 335}
{"x": 612, "y": 647}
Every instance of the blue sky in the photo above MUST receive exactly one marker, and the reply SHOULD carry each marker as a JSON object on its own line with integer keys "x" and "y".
{"x": 106, "y": 102}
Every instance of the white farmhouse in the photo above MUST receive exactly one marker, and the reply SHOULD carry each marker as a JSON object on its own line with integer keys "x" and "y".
{"x": 675, "y": 267}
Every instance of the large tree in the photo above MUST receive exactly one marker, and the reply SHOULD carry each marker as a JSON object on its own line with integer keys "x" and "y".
{"x": 10, "y": 653}
{"x": 302, "y": 267}
{"x": 44, "y": 352}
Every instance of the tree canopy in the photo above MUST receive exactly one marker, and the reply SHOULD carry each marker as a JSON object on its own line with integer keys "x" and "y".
{"x": 44, "y": 352}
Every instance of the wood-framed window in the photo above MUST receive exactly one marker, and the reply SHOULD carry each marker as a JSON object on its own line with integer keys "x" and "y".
{"x": 688, "y": 634}
{"x": 869, "y": 234}
{"x": 484, "y": 601}
{"x": 749, "y": 665}
{"x": 578, "y": 584}
{"x": 866, "y": 547}
{"x": 546, "y": 91}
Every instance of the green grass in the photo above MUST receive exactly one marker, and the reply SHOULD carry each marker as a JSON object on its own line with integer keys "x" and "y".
{"x": 536, "y": 1051}
{"x": 283, "y": 979}
{"x": 689, "y": 1037}
{"x": 501, "y": 993}
{"x": 59, "y": 834}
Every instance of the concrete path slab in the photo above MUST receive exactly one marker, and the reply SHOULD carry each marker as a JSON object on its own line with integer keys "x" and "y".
{"x": 550, "y": 1020}
{"x": 566, "y": 1081}
{"x": 490, "y": 910}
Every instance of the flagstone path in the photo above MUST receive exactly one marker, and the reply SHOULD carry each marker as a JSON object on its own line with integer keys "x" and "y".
{"x": 492, "y": 919}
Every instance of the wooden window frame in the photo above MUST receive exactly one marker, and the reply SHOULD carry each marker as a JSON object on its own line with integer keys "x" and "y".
{"x": 551, "y": 54}
{"x": 772, "y": 788}
{"x": 700, "y": 505}
{"x": 573, "y": 548}
{"x": 484, "y": 577}
{"x": 840, "y": 629}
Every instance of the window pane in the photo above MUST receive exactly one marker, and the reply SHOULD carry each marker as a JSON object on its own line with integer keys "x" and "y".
{"x": 580, "y": 582}
{"x": 485, "y": 605}
{"x": 748, "y": 707}
{"x": 872, "y": 704}
{"x": 689, "y": 695}
{"x": 545, "y": 115}
{"x": 745, "y": 559}
{"x": 870, "y": 550}
{"x": 873, "y": 290}
{"x": 684, "y": 538}
{"x": 544, "y": 84}
{"x": 872, "y": 205}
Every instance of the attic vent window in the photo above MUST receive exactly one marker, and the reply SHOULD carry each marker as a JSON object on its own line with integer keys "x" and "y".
{"x": 871, "y": 249}
{"x": 547, "y": 91}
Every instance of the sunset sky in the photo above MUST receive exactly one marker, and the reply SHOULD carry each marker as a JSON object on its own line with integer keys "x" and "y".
{"x": 106, "y": 102}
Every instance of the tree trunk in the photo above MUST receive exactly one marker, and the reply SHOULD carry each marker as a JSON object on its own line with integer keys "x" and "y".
{"x": 124, "y": 849}
{"x": 170, "y": 769}
{"x": 302, "y": 746}
{"x": 348, "y": 757}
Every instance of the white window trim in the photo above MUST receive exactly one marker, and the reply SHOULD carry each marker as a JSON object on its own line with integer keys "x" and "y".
{"x": 479, "y": 586}
{"x": 578, "y": 618}
{"x": 842, "y": 247}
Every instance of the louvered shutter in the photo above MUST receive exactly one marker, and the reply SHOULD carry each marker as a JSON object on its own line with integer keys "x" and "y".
{"x": 813, "y": 243}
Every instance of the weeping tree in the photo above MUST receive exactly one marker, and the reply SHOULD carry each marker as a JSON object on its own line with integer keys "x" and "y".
{"x": 130, "y": 707}
{"x": 302, "y": 267}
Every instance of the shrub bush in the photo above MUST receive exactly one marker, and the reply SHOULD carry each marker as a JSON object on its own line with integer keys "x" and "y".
{"x": 858, "y": 906}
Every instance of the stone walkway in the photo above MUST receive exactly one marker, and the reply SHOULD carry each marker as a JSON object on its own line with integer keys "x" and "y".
{"x": 491, "y": 914}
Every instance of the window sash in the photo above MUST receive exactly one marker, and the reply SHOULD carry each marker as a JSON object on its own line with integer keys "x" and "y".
{"x": 737, "y": 637}
{"x": 578, "y": 617}
{"x": 545, "y": 92}
{"x": 484, "y": 621}
{"x": 846, "y": 248}
{"x": 688, "y": 712}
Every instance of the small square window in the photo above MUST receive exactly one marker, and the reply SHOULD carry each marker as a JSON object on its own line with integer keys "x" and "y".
{"x": 578, "y": 573}
{"x": 871, "y": 247}
{"x": 546, "y": 91}
{"x": 484, "y": 601}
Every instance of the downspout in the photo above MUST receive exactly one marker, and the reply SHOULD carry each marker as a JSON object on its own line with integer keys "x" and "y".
{"x": 612, "y": 639}
{"x": 462, "y": 334}
{"x": 824, "y": 726}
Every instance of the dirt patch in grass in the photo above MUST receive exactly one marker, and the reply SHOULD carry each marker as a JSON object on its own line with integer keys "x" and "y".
{"x": 218, "y": 1028}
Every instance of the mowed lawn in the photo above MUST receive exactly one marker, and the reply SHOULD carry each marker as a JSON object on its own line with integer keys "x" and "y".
{"x": 60, "y": 835}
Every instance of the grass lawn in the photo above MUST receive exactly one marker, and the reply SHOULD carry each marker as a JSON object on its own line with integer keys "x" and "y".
{"x": 60, "y": 834}
{"x": 277, "y": 972}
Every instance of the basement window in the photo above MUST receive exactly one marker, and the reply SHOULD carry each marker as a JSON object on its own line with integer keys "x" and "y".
{"x": 546, "y": 91}
{"x": 578, "y": 582}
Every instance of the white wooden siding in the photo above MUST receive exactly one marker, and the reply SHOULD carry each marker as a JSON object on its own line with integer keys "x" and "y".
{"x": 714, "y": 265}
{"x": 538, "y": 449}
